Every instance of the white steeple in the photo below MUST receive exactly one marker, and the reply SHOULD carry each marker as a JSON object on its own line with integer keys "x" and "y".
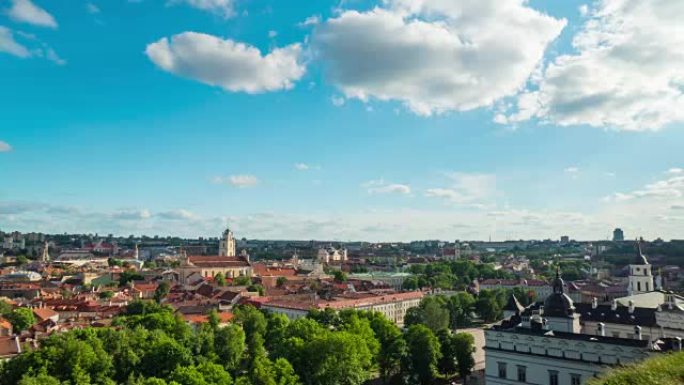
{"x": 46, "y": 255}
{"x": 640, "y": 275}
{"x": 227, "y": 244}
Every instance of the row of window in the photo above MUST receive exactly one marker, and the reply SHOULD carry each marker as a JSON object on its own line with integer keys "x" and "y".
{"x": 575, "y": 379}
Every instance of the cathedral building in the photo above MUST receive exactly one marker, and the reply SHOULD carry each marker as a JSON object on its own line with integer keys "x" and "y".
{"x": 558, "y": 342}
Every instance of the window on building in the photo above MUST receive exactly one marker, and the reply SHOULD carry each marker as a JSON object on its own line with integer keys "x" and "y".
{"x": 522, "y": 373}
{"x": 638, "y": 286}
{"x": 575, "y": 379}
{"x": 502, "y": 370}
{"x": 647, "y": 289}
{"x": 553, "y": 377}
{"x": 616, "y": 334}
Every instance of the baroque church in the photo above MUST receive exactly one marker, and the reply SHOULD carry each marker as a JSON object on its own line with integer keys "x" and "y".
{"x": 227, "y": 262}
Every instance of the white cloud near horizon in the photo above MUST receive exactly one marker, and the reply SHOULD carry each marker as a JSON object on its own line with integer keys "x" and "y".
{"x": 306, "y": 167}
{"x": 27, "y": 12}
{"x": 240, "y": 181}
{"x": 231, "y": 65}
{"x": 435, "y": 56}
{"x": 379, "y": 186}
{"x": 627, "y": 72}
{"x": 475, "y": 189}
{"x": 132, "y": 214}
{"x": 670, "y": 188}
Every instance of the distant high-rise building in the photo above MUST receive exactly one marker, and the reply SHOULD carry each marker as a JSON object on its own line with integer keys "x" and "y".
{"x": 618, "y": 235}
{"x": 565, "y": 239}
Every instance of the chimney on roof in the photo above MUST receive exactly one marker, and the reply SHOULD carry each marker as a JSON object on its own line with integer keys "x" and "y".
{"x": 601, "y": 329}
{"x": 594, "y": 303}
{"x": 613, "y": 306}
{"x": 637, "y": 332}
{"x": 631, "y": 306}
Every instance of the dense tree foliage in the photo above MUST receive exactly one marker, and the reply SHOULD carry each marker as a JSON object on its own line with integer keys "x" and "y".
{"x": 454, "y": 275}
{"x": 21, "y": 319}
{"x": 150, "y": 345}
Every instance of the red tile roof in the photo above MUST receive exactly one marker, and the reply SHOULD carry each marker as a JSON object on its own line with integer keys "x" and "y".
{"x": 224, "y": 317}
{"x": 217, "y": 261}
{"x": 364, "y": 299}
{"x": 44, "y": 313}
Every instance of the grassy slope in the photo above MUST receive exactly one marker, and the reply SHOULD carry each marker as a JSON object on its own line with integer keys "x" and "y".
{"x": 664, "y": 370}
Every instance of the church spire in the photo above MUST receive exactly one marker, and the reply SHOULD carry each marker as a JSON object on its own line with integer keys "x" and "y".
{"x": 46, "y": 254}
{"x": 558, "y": 281}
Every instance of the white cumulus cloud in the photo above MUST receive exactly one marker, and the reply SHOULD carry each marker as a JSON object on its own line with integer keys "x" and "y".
{"x": 627, "y": 72}
{"x": 379, "y": 186}
{"x": 222, "y": 8}
{"x": 435, "y": 56}
{"x": 237, "y": 180}
{"x": 466, "y": 188}
{"x": 228, "y": 64}
{"x": 26, "y": 12}
{"x": 9, "y": 45}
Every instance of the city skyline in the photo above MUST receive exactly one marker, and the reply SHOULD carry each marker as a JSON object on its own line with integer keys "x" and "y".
{"x": 182, "y": 117}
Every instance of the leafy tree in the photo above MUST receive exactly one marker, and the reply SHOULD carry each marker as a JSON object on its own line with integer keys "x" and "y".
{"x": 256, "y": 287}
{"x": 326, "y": 317}
{"x": 464, "y": 347}
{"x": 336, "y": 358}
{"x": 229, "y": 345}
{"x": 21, "y": 319}
{"x": 214, "y": 319}
{"x": 392, "y": 346}
{"x": 410, "y": 283}
{"x": 252, "y": 320}
{"x": 41, "y": 379}
{"x": 275, "y": 331}
{"x": 220, "y": 279}
{"x": 77, "y": 357}
{"x": 241, "y": 281}
{"x": 187, "y": 375}
{"x": 161, "y": 291}
{"x": 424, "y": 354}
{"x": 21, "y": 260}
{"x": 214, "y": 374}
{"x": 281, "y": 281}
{"x": 127, "y": 276}
{"x": 413, "y": 316}
{"x": 108, "y": 294}
{"x": 163, "y": 355}
{"x": 5, "y": 308}
{"x": 435, "y": 316}
{"x": 447, "y": 363}
{"x": 489, "y": 308}
{"x": 340, "y": 276}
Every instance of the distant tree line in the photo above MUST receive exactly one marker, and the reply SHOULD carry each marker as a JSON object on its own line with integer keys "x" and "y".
{"x": 454, "y": 275}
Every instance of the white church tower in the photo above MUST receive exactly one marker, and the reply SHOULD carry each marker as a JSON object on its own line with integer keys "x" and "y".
{"x": 640, "y": 274}
{"x": 227, "y": 244}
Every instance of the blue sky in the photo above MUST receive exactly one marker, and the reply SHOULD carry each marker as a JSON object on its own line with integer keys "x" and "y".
{"x": 392, "y": 120}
